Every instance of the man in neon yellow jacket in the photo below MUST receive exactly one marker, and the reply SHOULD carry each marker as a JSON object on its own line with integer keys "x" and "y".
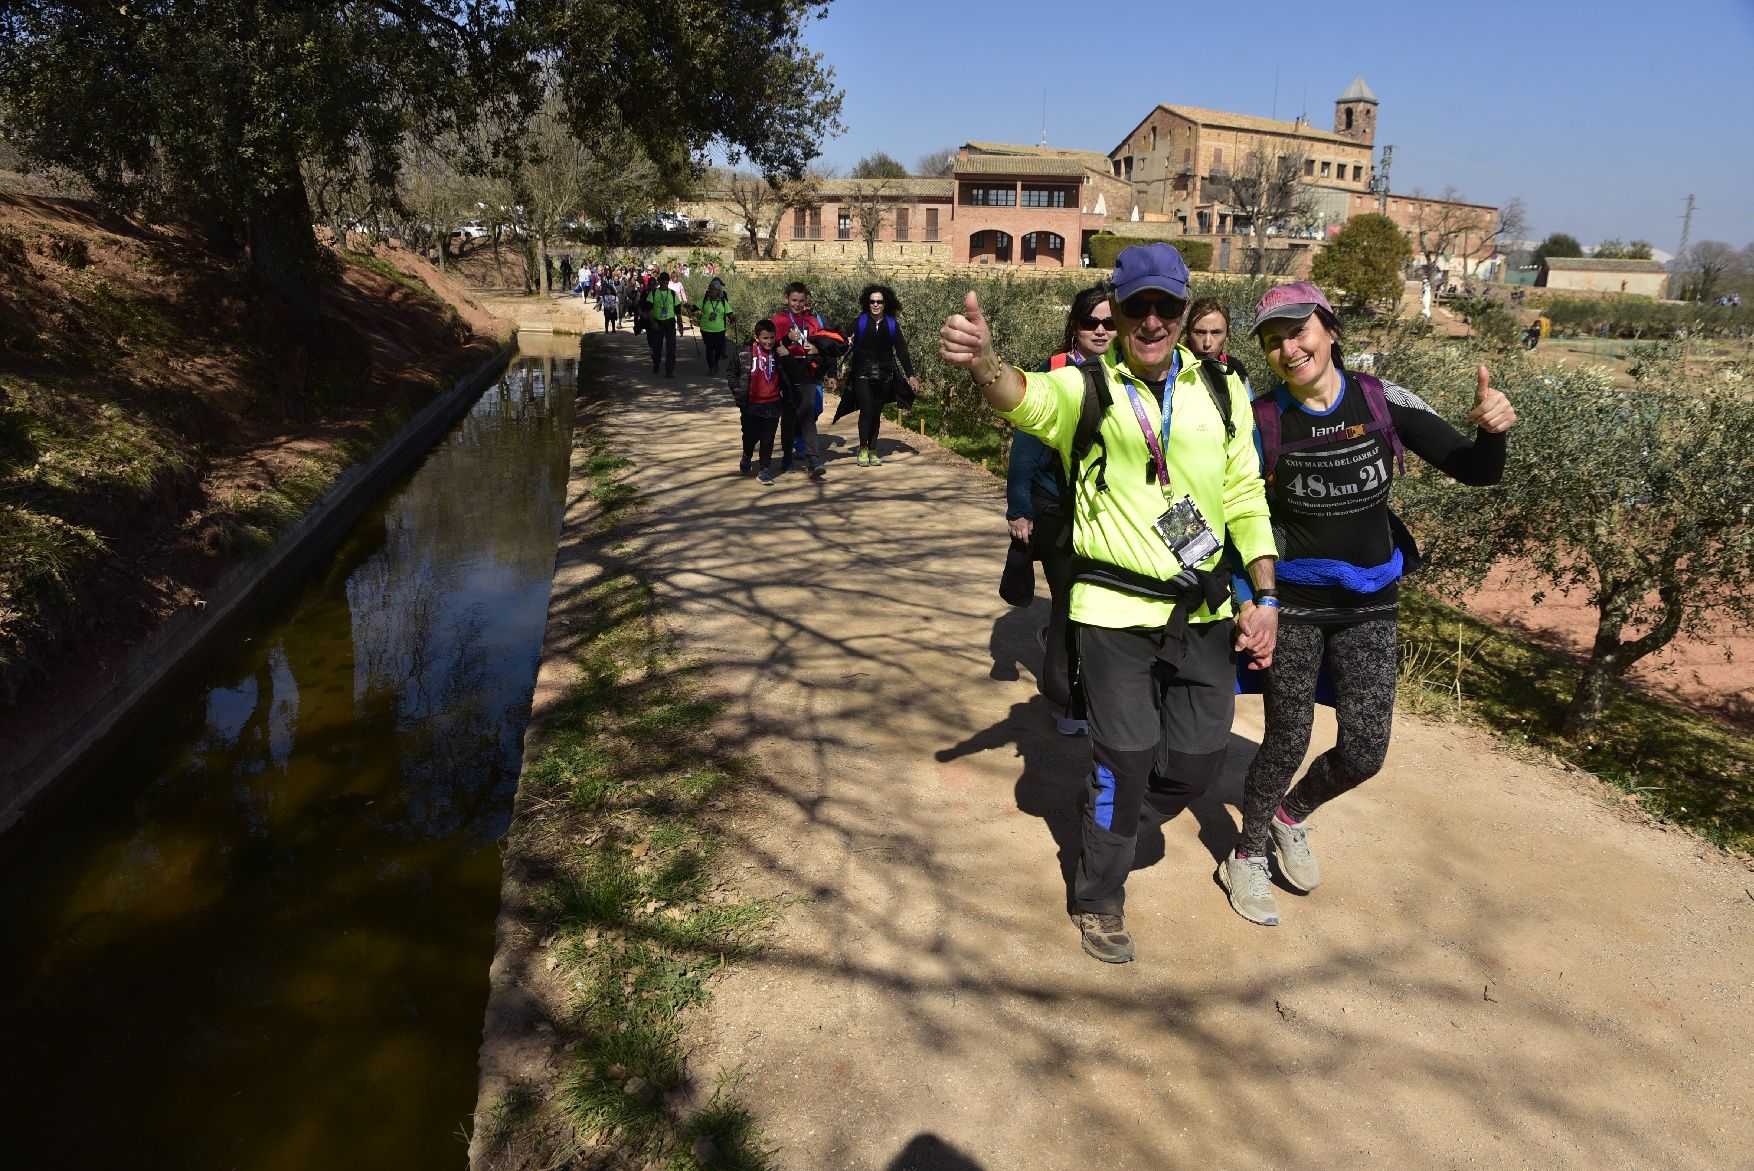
{"x": 1170, "y": 472}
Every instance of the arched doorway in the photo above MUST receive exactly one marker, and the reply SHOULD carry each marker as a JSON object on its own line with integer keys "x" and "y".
{"x": 990, "y": 247}
{"x": 1044, "y": 248}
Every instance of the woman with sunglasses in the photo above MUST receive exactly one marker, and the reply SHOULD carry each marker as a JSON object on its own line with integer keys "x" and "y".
{"x": 1034, "y": 488}
{"x": 878, "y": 367}
{"x": 1337, "y": 447}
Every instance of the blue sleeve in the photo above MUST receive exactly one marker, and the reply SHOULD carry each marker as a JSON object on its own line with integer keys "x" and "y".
{"x": 1027, "y": 455}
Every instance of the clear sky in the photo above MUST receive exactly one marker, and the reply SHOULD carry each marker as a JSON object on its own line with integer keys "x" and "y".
{"x": 1602, "y": 116}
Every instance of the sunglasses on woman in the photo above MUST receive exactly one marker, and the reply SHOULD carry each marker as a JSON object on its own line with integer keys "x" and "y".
{"x": 1096, "y": 323}
{"x": 1139, "y": 307}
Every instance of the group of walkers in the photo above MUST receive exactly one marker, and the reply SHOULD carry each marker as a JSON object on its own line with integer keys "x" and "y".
{"x": 793, "y": 360}
{"x": 1155, "y": 488}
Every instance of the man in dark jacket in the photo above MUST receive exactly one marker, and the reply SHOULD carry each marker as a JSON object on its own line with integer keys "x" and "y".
{"x": 809, "y": 357}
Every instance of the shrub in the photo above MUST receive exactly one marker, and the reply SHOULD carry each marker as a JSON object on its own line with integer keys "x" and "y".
{"x": 1104, "y": 248}
{"x": 1364, "y": 262}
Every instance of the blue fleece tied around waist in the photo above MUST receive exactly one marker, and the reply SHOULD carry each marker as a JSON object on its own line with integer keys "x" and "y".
{"x": 1322, "y": 571}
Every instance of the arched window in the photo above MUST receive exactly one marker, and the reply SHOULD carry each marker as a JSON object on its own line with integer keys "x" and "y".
{"x": 1348, "y": 119}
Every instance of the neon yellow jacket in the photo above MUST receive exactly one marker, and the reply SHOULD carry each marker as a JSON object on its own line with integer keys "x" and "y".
{"x": 1223, "y": 476}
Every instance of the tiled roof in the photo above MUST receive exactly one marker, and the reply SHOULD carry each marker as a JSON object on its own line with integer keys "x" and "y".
{"x": 913, "y": 185}
{"x": 1591, "y": 264}
{"x": 996, "y": 164}
{"x": 1225, "y": 121}
{"x": 1094, "y": 159}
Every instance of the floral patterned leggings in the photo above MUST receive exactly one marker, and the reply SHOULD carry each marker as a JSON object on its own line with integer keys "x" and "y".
{"x": 1361, "y": 664}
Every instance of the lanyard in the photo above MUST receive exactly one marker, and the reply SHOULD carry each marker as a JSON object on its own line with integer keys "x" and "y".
{"x": 1151, "y": 439}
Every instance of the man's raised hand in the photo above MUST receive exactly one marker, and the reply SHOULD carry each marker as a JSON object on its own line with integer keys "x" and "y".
{"x": 965, "y": 338}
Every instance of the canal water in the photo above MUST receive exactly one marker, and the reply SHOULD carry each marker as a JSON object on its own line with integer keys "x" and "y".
{"x": 259, "y": 935}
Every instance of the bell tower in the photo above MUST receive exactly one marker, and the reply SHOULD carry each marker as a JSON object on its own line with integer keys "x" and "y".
{"x": 1355, "y": 113}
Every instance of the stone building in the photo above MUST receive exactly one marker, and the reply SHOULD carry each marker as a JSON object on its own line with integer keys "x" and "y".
{"x": 1645, "y": 278}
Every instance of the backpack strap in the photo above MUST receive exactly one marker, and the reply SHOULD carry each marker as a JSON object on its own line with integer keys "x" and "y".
{"x": 1212, "y": 373}
{"x": 1378, "y": 400}
{"x": 1267, "y": 411}
{"x": 1088, "y": 434}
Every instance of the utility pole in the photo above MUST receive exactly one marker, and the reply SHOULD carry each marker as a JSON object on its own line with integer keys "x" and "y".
{"x": 1681, "y": 254}
{"x": 1382, "y": 197}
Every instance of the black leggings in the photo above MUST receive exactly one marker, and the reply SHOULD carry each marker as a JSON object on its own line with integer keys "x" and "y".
{"x": 758, "y": 431}
{"x": 1361, "y": 664}
{"x": 871, "y": 389}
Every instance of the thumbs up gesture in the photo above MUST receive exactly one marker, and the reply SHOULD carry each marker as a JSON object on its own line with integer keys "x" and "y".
{"x": 1492, "y": 412}
{"x": 965, "y": 338}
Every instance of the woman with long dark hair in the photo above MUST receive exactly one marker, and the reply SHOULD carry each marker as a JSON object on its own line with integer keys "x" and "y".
{"x": 879, "y": 369}
{"x": 1331, "y": 440}
{"x": 1034, "y": 490}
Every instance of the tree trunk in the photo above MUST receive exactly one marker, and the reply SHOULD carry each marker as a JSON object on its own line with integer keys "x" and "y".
{"x": 1594, "y": 687}
{"x": 283, "y": 250}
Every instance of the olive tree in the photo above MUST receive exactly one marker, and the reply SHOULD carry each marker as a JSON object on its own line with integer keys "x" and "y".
{"x": 1637, "y": 498}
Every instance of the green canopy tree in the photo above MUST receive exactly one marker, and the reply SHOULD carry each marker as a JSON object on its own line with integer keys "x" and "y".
{"x": 211, "y": 109}
{"x": 1636, "y": 498}
{"x": 878, "y": 166}
{"x": 1559, "y": 244}
{"x": 1364, "y": 262}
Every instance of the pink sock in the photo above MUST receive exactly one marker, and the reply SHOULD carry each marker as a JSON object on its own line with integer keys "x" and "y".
{"x": 1284, "y": 817}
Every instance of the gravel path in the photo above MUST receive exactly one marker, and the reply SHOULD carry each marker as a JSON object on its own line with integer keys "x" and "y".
{"x": 1505, "y": 967}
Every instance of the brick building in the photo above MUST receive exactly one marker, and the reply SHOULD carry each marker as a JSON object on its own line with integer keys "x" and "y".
{"x": 1458, "y": 234}
{"x": 1002, "y": 204}
{"x": 1180, "y": 161}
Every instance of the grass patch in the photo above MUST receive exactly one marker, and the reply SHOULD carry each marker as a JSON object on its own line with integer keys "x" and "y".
{"x": 630, "y": 782}
{"x": 1683, "y": 767}
{"x": 390, "y": 272}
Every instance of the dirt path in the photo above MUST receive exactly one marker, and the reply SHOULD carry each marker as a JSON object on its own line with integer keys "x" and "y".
{"x": 1505, "y": 967}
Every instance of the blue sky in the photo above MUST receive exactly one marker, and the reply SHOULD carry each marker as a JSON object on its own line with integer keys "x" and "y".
{"x": 1602, "y": 116}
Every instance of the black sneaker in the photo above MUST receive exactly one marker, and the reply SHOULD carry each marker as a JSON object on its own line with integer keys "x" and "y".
{"x": 1105, "y": 937}
{"x": 817, "y": 471}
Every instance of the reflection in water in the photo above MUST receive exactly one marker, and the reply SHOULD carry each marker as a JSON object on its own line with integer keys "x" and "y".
{"x": 259, "y": 936}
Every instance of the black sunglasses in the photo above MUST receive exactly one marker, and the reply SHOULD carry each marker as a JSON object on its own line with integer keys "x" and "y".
{"x": 875, "y": 301}
{"x": 1139, "y": 307}
{"x": 1107, "y": 323}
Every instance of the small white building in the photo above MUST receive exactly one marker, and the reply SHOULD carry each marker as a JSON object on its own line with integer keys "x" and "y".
{"x": 1586, "y": 274}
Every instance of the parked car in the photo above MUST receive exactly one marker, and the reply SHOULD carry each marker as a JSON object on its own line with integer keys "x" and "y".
{"x": 473, "y": 230}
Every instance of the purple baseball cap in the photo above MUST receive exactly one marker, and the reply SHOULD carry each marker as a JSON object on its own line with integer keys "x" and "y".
{"x": 1294, "y": 302}
{"x": 1150, "y": 266}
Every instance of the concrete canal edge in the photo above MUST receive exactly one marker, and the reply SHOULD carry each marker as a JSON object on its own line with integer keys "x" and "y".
{"x": 57, "y": 750}
{"x": 521, "y": 1054}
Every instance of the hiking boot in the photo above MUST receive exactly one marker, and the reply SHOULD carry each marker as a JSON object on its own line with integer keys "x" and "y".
{"x": 766, "y": 476}
{"x": 1297, "y": 865}
{"x": 817, "y": 471}
{"x": 1250, "y": 889}
{"x": 1105, "y": 937}
{"x": 864, "y": 458}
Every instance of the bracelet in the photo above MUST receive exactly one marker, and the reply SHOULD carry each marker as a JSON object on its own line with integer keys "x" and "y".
{"x": 1267, "y": 592}
{"x": 1267, "y": 600}
{"x": 993, "y": 379}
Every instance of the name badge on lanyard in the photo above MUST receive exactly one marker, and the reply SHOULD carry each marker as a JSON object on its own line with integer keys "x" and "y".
{"x": 1182, "y": 526}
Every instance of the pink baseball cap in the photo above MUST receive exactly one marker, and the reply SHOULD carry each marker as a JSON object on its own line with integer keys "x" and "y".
{"x": 1294, "y": 301}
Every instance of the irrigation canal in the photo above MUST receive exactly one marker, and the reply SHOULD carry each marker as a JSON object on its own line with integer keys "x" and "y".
{"x": 258, "y": 935}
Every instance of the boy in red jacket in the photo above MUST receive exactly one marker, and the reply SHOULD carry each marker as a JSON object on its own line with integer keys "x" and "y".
{"x": 760, "y": 388}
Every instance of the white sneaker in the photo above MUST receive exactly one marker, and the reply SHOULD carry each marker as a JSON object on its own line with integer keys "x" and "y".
{"x": 1250, "y": 889}
{"x": 1291, "y": 851}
